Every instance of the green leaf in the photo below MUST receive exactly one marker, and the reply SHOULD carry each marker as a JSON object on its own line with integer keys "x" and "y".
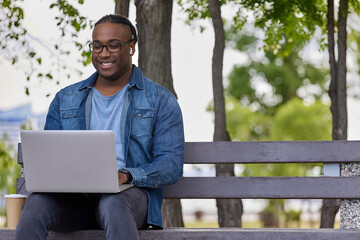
{"x": 76, "y": 25}
{"x": 32, "y": 54}
{"x": 78, "y": 45}
{"x": 49, "y": 76}
{"x": 86, "y": 57}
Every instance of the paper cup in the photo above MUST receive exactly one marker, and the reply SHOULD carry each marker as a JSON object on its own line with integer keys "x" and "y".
{"x": 14, "y": 203}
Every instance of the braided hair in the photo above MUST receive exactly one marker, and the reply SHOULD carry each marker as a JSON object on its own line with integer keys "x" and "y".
{"x": 117, "y": 18}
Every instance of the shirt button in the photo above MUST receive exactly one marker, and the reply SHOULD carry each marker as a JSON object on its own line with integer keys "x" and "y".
{"x": 139, "y": 115}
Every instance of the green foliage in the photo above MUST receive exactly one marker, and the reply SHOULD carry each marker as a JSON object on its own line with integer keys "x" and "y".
{"x": 86, "y": 57}
{"x": 355, "y": 4}
{"x": 287, "y": 20}
{"x": 12, "y": 33}
{"x": 297, "y": 121}
{"x": 293, "y": 121}
{"x": 9, "y": 169}
{"x": 283, "y": 77}
{"x": 240, "y": 40}
{"x": 244, "y": 124}
{"x": 69, "y": 16}
{"x": 196, "y": 9}
{"x": 199, "y": 10}
{"x": 12, "y": 19}
{"x": 283, "y": 21}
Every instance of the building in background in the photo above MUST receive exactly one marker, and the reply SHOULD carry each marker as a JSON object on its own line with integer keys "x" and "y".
{"x": 12, "y": 120}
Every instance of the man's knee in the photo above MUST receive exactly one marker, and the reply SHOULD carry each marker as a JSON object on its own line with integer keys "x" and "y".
{"x": 36, "y": 206}
{"x": 113, "y": 205}
{"x": 58, "y": 212}
{"x": 128, "y": 200}
{"x": 123, "y": 208}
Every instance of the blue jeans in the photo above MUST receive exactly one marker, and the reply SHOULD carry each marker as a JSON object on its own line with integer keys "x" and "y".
{"x": 120, "y": 215}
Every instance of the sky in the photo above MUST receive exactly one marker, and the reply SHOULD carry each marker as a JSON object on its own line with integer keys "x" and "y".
{"x": 191, "y": 68}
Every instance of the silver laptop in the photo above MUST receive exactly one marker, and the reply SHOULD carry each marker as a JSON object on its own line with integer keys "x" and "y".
{"x": 70, "y": 161}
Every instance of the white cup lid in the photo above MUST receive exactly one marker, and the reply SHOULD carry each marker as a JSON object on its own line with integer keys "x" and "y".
{"x": 15, "y": 196}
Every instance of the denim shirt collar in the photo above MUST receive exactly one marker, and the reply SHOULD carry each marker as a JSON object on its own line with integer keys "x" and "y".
{"x": 136, "y": 78}
{"x": 89, "y": 83}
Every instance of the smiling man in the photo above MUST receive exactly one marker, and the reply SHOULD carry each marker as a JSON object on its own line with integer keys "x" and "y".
{"x": 148, "y": 128}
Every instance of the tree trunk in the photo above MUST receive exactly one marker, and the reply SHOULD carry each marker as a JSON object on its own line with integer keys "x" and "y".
{"x": 328, "y": 212}
{"x": 337, "y": 93}
{"x": 122, "y": 7}
{"x": 154, "y": 26}
{"x": 153, "y": 20}
{"x": 339, "y": 108}
{"x": 229, "y": 210}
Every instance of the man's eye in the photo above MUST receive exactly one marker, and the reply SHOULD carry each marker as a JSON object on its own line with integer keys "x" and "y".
{"x": 114, "y": 46}
{"x": 97, "y": 46}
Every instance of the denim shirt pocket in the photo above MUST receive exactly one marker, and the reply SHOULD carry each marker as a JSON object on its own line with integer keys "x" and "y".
{"x": 142, "y": 122}
{"x": 70, "y": 118}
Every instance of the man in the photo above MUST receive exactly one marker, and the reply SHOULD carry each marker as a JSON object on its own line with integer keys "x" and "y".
{"x": 147, "y": 123}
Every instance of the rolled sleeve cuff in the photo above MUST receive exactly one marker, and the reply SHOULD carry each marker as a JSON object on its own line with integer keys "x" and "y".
{"x": 139, "y": 176}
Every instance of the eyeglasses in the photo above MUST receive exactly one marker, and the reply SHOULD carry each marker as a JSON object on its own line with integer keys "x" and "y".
{"x": 112, "y": 47}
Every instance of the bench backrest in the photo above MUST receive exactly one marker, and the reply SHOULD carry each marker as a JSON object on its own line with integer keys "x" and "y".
{"x": 264, "y": 187}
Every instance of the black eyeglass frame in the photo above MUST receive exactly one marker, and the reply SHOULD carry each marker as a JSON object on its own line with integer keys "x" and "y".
{"x": 106, "y": 46}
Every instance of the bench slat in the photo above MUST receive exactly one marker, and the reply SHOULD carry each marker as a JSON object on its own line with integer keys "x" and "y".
{"x": 272, "y": 152}
{"x": 265, "y": 187}
{"x": 257, "y": 188}
{"x": 267, "y": 152}
{"x": 253, "y": 234}
{"x": 210, "y": 234}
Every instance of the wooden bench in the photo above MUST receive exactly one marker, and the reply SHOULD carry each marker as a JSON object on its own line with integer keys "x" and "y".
{"x": 324, "y": 187}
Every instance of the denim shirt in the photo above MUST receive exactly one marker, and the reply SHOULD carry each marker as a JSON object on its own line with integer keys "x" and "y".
{"x": 152, "y": 131}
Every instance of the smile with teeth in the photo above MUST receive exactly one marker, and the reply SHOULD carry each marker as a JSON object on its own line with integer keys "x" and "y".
{"x": 107, "y": 64}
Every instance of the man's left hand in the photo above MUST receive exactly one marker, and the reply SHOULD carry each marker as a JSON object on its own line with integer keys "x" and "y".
{"x": 122, "y": 178}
